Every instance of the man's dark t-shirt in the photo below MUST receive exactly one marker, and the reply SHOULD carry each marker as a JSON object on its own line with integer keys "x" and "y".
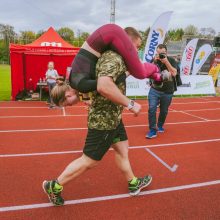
{"x": 170, "y": 86}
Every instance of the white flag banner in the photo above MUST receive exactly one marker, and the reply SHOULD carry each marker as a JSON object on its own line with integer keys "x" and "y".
{"x": 200, "y": 58}
{"x": 187, "y": 57}
{"x": 156, "y": 35}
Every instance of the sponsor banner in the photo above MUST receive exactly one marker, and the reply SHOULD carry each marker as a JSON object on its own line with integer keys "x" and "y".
{"x": 187, "y": 57}
{"x": 200, "y": 58}
{"x": 137, "y": 87}
{"x": 192, "y": 85}
{"x": 156, "y": 35}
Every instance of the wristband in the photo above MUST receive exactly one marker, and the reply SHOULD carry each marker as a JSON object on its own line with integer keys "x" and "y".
{"x": 85, "y": 98}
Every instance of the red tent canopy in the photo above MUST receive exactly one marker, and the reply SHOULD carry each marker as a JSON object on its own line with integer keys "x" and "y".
{"x": 29, "y": 62}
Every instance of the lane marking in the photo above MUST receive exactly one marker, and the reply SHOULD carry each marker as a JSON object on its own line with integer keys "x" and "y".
{"x": 85, "y": 128}
{"x": 111, "y": 197}
{"x": 203, "y": 109}
{"x": 35, "y": 116}
{"x": 45, "y": 116}
{"x": 195, "y": 116}
{"x": 64, "y": 111}
{"x": 40, "y": 130}
{"x": 172, "y": 169}
{"x": 23, "y": 107}
{"x": 82, "y": 115}
{"x": 82, "y": 106}
{"x": 188, "y": 103}
{"x": 131, "y": 148}
{"x": 35, "y": 107}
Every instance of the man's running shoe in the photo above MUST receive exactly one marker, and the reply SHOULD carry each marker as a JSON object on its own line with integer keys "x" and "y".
{"x": 151, "y": 134}
{"x": 53, "y": 191}
{"x": 141, "y": 183}
{"x": 160, "y": 129}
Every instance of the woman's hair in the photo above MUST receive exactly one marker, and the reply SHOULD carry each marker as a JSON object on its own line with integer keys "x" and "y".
{"x": 58, "y": 93}
{"x": 132, "y": 32}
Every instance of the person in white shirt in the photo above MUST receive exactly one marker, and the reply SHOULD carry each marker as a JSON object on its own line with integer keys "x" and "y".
{"x": 51, "y": 76}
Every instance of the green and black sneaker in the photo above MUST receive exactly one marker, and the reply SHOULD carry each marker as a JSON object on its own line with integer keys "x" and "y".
{"x": 137, "y": 184}
{"x": 53, "y": 191}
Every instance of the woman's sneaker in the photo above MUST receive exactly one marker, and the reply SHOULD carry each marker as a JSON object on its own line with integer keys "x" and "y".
{"x": 53, "y": 191}
{"x": 141, "y": 183}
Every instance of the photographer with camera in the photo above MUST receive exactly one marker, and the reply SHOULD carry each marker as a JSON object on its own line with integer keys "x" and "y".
{"x": 161, "y": 93}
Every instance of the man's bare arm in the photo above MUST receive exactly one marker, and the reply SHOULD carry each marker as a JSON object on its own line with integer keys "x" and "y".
{"x": 107, "y": 88}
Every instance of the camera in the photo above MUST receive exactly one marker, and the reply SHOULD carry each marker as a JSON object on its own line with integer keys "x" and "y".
{"x": 162, "y": 55}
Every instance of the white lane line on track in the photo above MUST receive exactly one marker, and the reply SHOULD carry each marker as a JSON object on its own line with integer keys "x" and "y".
{"x": 85, "y": 115}
{"x": 111, "y": 197}
{"x": 85, "y": 128}
{"x": 189, "y": 103}
{"x": 82, "y": 106}
{"x": 195, "y": 116}
{"x": 202, "y": 109}
{"x": 49, "y": 116}
{"x": 171, "y": 169}
{"x": 130, "y": 148}
{"x": 64, "y": 111}
{"x": 36, "y": 107}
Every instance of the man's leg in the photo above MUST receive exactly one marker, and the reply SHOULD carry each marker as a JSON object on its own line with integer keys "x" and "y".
{"x": 122, "y": 160}
{"x": 76, "y": 168}
{"x": 54, "y": 188}
{"x": 135, "y": 185}
{"x": 165, "y": 102}
{"x": 153, "y": 99}
{"x": 97, "y": 144}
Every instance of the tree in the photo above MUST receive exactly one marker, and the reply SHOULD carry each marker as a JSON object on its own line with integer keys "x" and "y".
{"x": 191, "y": 30}
{"x": 84, "y": 36}
{"x": 7, "y": 32}
{"x": 179, "y": 34}
{"x": 80, "y": 38}
{"x": 144, "y": 35}
{"x": 175, "y": 34}
{"x": 27, "y": 37}
{"x": 207, "y": 32}
{"x": 39, "y": 33}
{"x": 67, "y": 34}
{"x": 8, "y": 35}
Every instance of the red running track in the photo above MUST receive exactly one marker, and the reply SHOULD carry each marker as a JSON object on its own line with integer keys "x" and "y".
{"x": 191, "y": 142}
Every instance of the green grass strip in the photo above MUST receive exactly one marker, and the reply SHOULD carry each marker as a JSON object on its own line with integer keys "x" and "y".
{"x": 5, "y": 82}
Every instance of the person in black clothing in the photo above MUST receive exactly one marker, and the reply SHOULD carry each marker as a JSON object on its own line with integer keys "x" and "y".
{"x": 161, "y": 93}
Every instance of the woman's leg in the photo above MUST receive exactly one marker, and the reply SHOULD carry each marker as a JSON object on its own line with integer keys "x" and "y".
{"x": 111, "y": 36}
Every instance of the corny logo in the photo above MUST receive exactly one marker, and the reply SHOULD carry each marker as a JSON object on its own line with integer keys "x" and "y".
{"x": 155, "y": 36}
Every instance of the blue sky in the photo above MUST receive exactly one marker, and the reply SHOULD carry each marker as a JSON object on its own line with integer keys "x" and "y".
{"x": 87, "y": 15}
